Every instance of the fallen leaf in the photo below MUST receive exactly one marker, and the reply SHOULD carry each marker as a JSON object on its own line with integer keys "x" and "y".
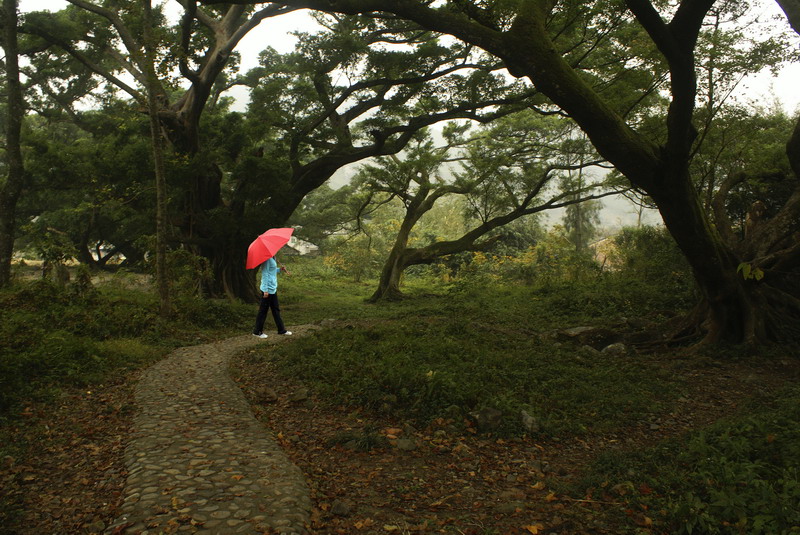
{"x": 534, "y": 529}
{"x": 538, "y": 486}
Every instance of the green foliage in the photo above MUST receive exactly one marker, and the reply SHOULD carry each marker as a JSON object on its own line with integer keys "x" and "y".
{"x": 455, "y": 353}
{"x": 51, "y": 337}
{"x": 649, "y": 255}
{"x": 740, "y": 475}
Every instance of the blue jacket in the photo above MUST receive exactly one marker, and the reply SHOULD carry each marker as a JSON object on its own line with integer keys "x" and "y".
{"x": 269, "y": 276}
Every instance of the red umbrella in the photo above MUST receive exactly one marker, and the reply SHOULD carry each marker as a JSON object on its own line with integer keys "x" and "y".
{"x": 266, "y": 245}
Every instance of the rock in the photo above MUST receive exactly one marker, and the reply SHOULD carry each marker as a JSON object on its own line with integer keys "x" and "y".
{"x": 98, "y": 526}
{"x": 301, "y": 394}
{"x": 576, "y": 331}
{"x": 405, "y": 444}
{"x": 461, "y": 451}
{"x": 541, "y": 467}
{"x": 588, "y": 350}
{"x": 509, "y": 508}
{"x": 617, "y": 349}
{"x": 513, "y": 494}
{"x": 340, "y": 508}
{"x": 453, "y": 412}
{"x": 530, "y": 423}
{"x": 487, "y": 419}
{"x": 593, "y": 336}
{"x": 266, "y": 394}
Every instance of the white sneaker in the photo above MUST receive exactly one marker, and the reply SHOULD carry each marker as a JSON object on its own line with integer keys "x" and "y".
{"x": 262, "y": 335}
{"x": 287, "y": 333}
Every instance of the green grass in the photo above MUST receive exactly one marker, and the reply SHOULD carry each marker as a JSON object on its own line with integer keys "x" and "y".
{"x": 53, "y": 337}
{"x": 740, "y": 475}
{"x": 447, "y": 351}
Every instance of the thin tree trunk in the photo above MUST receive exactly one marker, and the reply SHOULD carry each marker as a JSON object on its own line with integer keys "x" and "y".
{"x": 162, "y": 280}
{"x": 389, "y": 282}
{"x": 12, "y": 189}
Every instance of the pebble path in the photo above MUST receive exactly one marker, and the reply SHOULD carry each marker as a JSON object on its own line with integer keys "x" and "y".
{"x": 198, "y": 461}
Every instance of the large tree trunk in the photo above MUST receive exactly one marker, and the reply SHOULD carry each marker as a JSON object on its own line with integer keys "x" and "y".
{"x": 227, "y": 267}
{"x": 733, "y": 309}
{"x": 727, "y": 308}
{"x": 12, "y": 189}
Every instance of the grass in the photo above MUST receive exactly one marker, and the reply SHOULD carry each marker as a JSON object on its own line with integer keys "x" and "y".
{"x": 444, "y": 352}
{"x": 53, "y": 337}
{"x": 448, "y": 351}
{"x": 739, "y": 475}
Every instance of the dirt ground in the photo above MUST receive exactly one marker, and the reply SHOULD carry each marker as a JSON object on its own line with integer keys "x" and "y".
{"x": 439, "y": 481}
{"x": 365, "y": 476}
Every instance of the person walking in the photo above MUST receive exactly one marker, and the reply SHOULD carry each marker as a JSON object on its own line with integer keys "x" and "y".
{"x": 269, "y": 298}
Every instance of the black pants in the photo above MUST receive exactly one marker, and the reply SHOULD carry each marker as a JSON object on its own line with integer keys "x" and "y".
{"x": 266, "y": 304}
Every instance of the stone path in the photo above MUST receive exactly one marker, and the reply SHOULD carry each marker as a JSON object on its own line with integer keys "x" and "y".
{"x": 198, "y": 461}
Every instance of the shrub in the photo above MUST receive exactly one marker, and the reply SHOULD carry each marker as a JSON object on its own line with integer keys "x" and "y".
{"x": 743, "y": 476}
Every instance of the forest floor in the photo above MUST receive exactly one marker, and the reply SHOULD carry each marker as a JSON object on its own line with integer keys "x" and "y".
{"x": 366, "y": 475}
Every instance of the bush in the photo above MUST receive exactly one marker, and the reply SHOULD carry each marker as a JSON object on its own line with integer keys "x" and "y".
{"x": 52, "y": 337}
{"x": 742, "y": 476}
{"x": 738, "y": 476}
{"x": 650, "y": 254}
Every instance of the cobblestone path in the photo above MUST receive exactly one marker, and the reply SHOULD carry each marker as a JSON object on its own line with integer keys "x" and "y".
{"x": 198, "y": 461}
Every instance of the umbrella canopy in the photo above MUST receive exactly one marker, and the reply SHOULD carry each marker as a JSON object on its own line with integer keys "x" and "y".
{"x": 266, "y": 245}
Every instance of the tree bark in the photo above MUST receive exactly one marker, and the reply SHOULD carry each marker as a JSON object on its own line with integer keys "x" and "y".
{"x": 162, "y": 277}
{"x": 389, "y": 282}
{"x": 15, "y": 179}
{"x": 736, "y": 310}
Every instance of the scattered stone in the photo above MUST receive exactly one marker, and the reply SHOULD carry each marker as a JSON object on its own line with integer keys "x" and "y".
{"x": 576, "y": 331}
{"x": 266, "y": 394}
{"x": 340, "y": 508}
{"x": 617, "y": 349}
{"x": 595, "y": 337}
{"x": 98, "y": 526}
{"x": 541, "y": 467}
{"x": 405, "y": 444}
{"x": 301, "y": 394}
{"x": 511, "y": 494}
{"x": 409, "y": 429}
{"x": 588, "y": 351}
{"x": 529, "y": 423}
{"x": 508, "y": 508}
{"x": 453, "y": 412}
{"x": 487, "y": 419}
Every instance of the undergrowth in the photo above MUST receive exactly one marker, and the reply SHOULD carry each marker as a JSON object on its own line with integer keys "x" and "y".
{"x": 53, "y": 337}
{"x": 740, "y": 475}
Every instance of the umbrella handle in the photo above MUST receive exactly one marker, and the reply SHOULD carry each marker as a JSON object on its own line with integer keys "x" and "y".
{"x": 284, "y": 268}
